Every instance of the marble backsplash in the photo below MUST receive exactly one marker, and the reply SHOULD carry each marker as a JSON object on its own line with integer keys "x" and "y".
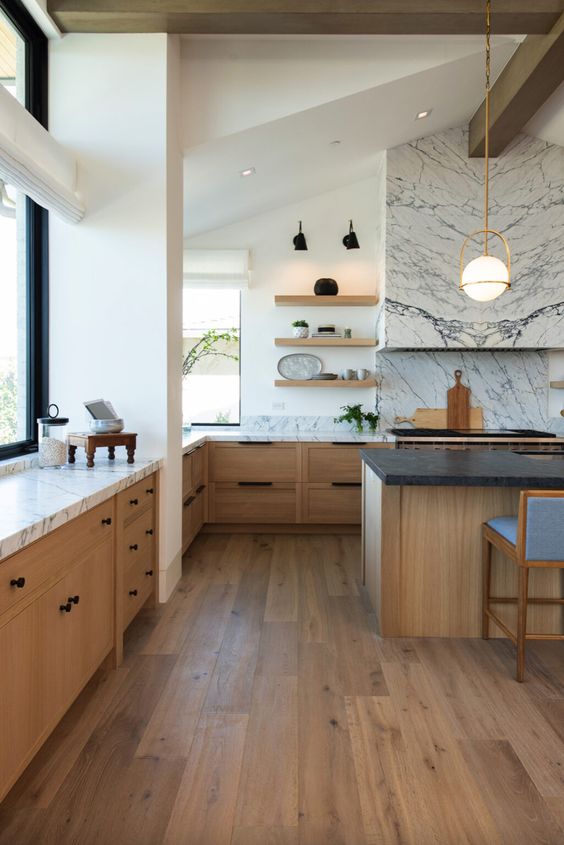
{"x": 434, "y": 199}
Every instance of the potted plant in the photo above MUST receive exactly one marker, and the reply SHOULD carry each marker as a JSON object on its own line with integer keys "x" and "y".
{"x": 372, "y": 420}
{"x": 301, "y": 328}
{"x": 352, "y": 414}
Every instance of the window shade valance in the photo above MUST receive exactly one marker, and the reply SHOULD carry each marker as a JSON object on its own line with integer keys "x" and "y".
{"x": 216, "y": 268}
{"x": 34, "y": 163}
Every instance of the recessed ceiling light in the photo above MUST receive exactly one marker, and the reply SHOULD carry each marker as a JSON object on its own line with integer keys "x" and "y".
{"x": 334, "y": 143}
{"x": 421, "y": 114}
{"x": 249, "y": 171}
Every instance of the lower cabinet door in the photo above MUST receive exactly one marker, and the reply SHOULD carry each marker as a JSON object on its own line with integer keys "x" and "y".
{"x": 332, "y": 503}
{"x": 20, "y": 718}
{"x": 253, "y": 502}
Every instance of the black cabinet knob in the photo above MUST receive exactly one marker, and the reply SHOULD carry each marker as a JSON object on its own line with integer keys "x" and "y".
{"x": 73, "y": 599}
{"x": 65, "y": 608}
{"x": 150, "y": 491}
{"x": 149, "y": 572}
{"x": 149, "y": 531}
{"x": 133, "y": 547}
{"x": 134, "y": 501}
{"x": 107, "y": 521}
{"x": 17, "y": 582}
{"x": 133, "y": 592}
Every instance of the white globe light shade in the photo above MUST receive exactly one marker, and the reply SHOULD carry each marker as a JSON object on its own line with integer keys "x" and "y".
{"x": 485, "y": 278}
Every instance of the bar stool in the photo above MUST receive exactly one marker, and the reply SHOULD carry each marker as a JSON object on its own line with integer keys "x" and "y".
{"x": 533, "y": 539}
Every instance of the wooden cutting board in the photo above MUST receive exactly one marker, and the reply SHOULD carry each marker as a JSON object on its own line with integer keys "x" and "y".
{"x": 437, "y": 418}
{"x": 458, "y": 404}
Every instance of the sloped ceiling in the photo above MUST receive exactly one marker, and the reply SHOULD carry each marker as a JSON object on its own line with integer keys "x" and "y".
{"x": 294, "y": 156}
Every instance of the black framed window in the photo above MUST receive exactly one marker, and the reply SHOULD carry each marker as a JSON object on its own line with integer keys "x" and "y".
{"x": 23, "y": 249}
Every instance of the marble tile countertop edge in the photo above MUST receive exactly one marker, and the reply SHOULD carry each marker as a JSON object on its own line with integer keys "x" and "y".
{"x": 34, "y": 502}
{"x": 199, "y": 436}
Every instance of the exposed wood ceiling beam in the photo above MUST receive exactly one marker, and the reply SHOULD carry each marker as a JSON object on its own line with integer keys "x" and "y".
{"x": 386, "y": 17}
{"x": 533, "y": 73}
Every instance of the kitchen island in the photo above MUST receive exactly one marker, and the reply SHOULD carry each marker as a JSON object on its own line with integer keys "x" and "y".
{"x": 422, "y": 541}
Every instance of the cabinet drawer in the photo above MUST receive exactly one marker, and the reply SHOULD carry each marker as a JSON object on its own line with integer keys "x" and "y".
{"x": 193, "y": 515}
{"x": 242, "y": 502}
{"x": 330, "y": 462}
{"x": 254, "y": 462}
{"x": 135, "y": 499}
{"x": 187, "y": 462}
{"x": 199, "y": 466}
{"x": 138, "y": 542}
{"x": 54, "y": 554}
{"x": 332, "y": 503}
{"x": 137, "y": 587}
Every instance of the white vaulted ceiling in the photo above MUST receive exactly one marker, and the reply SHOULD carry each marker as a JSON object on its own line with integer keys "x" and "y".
{"x": 276, "y": 105}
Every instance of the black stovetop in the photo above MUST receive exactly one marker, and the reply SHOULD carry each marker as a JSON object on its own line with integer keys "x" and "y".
{"x": 488, "y": 433}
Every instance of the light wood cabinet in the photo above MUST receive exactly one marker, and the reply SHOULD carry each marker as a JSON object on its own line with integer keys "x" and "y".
{"x": 337, "y": 503}
{"x": 254, "y": 502}
{"x": 235, "y": 462}
{"x": 194, "y": 493}
{"x": 62, "y": 607}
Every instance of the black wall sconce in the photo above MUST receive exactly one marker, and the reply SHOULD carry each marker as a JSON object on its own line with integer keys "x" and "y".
{"x": 351, "y": 240}
{"x": 299, "y": 241}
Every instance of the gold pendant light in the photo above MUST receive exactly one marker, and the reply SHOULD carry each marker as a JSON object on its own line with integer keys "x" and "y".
{"x": 487, "y": 277}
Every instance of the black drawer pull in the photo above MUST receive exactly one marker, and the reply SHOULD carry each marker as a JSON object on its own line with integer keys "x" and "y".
{"x": 254, "y": 442}
{"x": 65, "y": 608}
{"x": 255, "y": 483}
{"x": 133, "y": 547}
{"x": 133, "y": 592}
{"x": 200, "y": 488}
{"x": 107, "y": 521}
{"x": 346, "y": 483}
{"x": 149, "y": 531}
{"x": 134, "y": 501}
{"x": 149, "y": 572}
{"x": 19, "y": 583}
{"x": 73, "y": 599}
{"x": 348, "y": 443}
{"x": 150, "y": 491}
{"x": 189, "y": 501}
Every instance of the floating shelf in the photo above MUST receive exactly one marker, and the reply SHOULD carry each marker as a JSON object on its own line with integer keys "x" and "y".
{"x": 557, "y": 385}
{"x": 324, "y": 301}
{"x": 325, "y": 341}
{"x": 335, "y": 383}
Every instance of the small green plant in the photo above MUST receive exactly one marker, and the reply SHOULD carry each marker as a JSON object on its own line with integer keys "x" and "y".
{"x": 372, "y": 420}
{"x": 300, "y": 324}
{"x": 222, "y": 417}
{"x": 206, "y": 347}
{"x": 352, "y": 414}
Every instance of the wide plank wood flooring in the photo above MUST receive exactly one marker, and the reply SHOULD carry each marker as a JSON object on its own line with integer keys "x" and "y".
{"x": 259, "y": 707}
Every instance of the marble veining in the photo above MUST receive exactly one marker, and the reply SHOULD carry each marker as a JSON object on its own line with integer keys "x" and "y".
{"x": 235, "y": 435}
{"x": 35, "y": 501}
{"x": 434, "y": 199}
{"x": 510, "y": 385}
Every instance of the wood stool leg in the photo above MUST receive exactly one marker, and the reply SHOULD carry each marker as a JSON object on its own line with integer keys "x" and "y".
{"x": 130, "y": 454}
{"x": 111, "y": 453}
{"x": 72, "y": 454}
{"x": 90, "y": 458}
{"x": 522, "y": 620}
{"x": 486, "y": 582}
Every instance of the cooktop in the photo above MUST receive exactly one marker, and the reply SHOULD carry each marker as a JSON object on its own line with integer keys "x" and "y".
{"x": 488, "y": 433}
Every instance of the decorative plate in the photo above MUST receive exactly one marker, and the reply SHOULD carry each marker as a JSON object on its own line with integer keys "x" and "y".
{"x": 299, "y": 366}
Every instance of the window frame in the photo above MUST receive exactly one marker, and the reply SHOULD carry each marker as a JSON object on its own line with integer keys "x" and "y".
{"x": 237, "y": 424}
{"x": 37, "y": 236}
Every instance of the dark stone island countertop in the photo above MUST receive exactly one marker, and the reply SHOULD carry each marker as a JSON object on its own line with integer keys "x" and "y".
{"x": 465, "y": 469}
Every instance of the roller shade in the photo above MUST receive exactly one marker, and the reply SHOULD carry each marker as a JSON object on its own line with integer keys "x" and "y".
{"x": 34, "y": 163}
{"x": 216, "y": 268}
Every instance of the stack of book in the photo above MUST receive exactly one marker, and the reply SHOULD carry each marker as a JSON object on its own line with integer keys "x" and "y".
{"x": 326, "y": 331}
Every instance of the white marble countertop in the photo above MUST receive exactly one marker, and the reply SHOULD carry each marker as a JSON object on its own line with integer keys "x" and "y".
{"x": 35, "y": 501}
{"x": 198, "y": 436}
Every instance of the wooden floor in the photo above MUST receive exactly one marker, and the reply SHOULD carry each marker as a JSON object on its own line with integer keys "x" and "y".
{"x": 259, "y": 708}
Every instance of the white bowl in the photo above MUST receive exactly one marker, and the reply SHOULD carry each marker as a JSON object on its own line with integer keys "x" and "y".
{"x": 106, "y": 426}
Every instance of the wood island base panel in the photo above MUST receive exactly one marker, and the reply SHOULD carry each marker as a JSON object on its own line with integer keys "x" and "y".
{"x": 65, "y": 601}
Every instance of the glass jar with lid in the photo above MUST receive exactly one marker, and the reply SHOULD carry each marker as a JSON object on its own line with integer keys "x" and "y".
{"x": 52, "y": 445}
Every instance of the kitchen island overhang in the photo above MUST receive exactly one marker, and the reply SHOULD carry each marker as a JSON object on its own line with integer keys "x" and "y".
{"x": 422, "y": 539}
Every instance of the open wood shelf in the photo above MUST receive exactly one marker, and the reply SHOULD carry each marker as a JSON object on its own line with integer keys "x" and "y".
{"x": 325, "y": 341}
{"x": 558, "y": 385}
{"x": 335, "y": 383}
{"x": 324, "y": 301}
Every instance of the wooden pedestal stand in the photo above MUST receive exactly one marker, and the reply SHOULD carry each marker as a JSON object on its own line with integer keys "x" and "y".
{"x": 91, "y": 442}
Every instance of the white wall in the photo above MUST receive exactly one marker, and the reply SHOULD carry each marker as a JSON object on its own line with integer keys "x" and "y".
{"x": 278, "y": 269}
{"x": 116, "y": 277}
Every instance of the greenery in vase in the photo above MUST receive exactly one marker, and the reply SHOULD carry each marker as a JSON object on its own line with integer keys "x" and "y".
{"x": 300, "y": 324}
{"x": 372, "y": 420}
{"x": 207, "y": 347}
{"x": 352, "y": 414}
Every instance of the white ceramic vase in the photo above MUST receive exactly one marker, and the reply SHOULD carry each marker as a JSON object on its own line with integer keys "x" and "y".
{"x": 301, "y": 331}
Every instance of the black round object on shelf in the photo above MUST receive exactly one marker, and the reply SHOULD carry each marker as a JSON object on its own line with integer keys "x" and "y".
{"x": 326, "y": 287}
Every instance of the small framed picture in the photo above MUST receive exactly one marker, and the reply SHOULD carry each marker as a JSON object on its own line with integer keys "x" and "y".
{"x": 101, "y": 409}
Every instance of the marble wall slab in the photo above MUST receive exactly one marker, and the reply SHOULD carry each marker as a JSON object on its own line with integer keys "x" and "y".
{"x": 434, "y": 199}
